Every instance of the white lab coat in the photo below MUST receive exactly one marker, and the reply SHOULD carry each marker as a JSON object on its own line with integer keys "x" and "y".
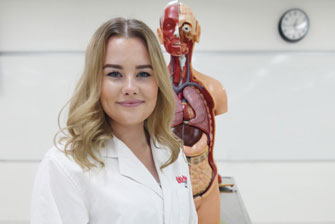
{"x": 122, "y": 192}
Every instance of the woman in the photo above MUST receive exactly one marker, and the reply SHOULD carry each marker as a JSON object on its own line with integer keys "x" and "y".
{"x": 118, "y": 161}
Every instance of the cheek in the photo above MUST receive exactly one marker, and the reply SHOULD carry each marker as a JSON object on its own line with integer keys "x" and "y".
{"x": 186, "y": 37}
{"x": 152, "y": 93}
{"x": 104, "y": 103}
{"x": 109, "y": 88}
{"x": 107, "y": 95}
{"x": 168, "y": 34}
{"x": 103, "y": 94}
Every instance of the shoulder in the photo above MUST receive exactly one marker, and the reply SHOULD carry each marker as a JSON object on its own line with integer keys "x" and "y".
{"x": 217, "y": 91}
{"x": 57, "y": 195}
{"x": 57, "y": 167}
{"x": 210, "y": 82}
{"x": 57, "y": 157}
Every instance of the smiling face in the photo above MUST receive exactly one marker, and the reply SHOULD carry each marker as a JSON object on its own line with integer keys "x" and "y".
{"x": 129, "y": 89}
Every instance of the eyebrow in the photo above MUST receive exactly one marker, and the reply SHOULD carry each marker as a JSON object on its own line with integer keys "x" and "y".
{"x": 143, "y": 66}
{"x": 112, "y": 66}
{"x": 120, "y": 67}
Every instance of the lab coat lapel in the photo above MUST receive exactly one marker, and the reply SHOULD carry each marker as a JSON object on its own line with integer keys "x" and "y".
{"x": 130, "y": 166}
{"x": 161, "y": 155}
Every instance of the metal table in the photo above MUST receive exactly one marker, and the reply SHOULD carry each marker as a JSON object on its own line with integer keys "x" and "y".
{"x": 233, "y": 210}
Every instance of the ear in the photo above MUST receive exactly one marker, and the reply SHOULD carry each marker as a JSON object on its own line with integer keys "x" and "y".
{"x": 198, "y": 32}
{"x": 160, "y": 35}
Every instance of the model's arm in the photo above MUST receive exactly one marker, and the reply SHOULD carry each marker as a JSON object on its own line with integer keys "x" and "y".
{"x": 55, "y": 198}
{"x": 220, "y": 98}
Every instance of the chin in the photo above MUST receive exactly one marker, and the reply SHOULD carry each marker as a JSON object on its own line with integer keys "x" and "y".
{"x": 175, "y": 53}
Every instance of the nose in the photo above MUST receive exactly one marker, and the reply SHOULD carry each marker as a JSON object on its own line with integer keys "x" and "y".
{"x": 176, "y": 31}
{"x": 130, "y": 87}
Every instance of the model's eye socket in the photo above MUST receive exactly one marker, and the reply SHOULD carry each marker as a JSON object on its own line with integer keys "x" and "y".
{"x": 114, "y": 74}
{"x": 143, "y": 74}
{"x": 186, "y": 28}
{"x": 169, "y": 26}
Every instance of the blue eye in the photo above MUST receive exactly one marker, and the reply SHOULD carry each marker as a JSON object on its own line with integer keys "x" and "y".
{"x": 143, "y": 74}
{"x": 114, "y": 74}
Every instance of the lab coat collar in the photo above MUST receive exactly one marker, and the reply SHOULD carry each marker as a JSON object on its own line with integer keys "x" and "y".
{"x": 130, "y": 166}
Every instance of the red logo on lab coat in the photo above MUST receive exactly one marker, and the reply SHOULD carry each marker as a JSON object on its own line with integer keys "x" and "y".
{"x": 182, "y": 179}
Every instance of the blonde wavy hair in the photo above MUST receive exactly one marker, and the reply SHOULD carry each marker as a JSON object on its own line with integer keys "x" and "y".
{"x": 87, "y": 125}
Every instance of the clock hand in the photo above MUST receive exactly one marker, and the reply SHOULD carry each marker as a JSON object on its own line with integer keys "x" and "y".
{"x": 296, "y": 25}
{"x": 301, "y": 25}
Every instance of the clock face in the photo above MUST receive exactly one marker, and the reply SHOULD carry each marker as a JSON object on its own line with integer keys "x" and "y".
{"x": 294, "y": 25}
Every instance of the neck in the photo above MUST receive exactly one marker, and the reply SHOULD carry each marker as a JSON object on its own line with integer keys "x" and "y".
{"x": 180, "y": 66}
{"x": 134, "y": 136}
{"x": 182, "y": 62}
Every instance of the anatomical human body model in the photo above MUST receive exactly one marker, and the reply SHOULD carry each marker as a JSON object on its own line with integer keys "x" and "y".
{"x": 198, "y": 99}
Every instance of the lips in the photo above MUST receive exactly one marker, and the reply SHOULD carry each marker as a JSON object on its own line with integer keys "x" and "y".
{"x": 130, "y": 103}
{"x": 176, "y": 44}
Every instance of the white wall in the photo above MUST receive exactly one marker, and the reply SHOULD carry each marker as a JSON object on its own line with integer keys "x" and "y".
{"x": 41, "y": 25}
{"x": 41, "y": 53}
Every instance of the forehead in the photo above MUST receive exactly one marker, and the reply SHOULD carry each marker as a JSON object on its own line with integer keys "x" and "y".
{"x": 186, "y": 15}
{"x": 171, "y": 11}
{"x": 178, "y": 12}
{"x": 126, "y": 49}
{"x": 117, "y": 42}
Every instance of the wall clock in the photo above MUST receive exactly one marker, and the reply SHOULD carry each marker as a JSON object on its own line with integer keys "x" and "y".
{"x": 293, "y": 25}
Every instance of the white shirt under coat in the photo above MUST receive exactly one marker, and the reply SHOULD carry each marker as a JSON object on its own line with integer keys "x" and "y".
{"x": 123, "y": 192}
